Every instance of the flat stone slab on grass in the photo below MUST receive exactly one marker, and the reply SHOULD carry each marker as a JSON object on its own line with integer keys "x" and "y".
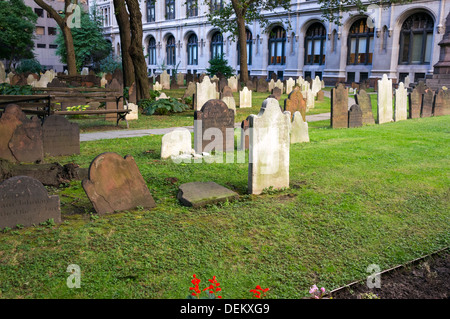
{"x": 198, "y": 194}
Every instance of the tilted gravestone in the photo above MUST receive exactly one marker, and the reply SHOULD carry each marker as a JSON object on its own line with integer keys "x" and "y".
{"x": 384, "y": 98}
{"x": 295, "y": 102}
{"x": 299, "y": 129}
{"x": 364, "y": 102}
{"x": 115, "y": 184}
{"x": 339, "y": 107}
{"x": 442, "y": 103}
{"x": 401, "y": 103}
{"x": 269, "y": 148}
{"x": 20, "y": 137}
{"x": 198, "y": 194}
{"x": 25, "y": 201}
{"x": 355, "y": 116}
{"x": 60, "y": 137}
{"x": 214, "y": 127}
{"x": 415, "y": 103}
{"x": 427, "y": 103}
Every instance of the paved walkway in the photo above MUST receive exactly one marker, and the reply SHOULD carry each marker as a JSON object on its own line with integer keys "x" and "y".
{"x": 161, "y": 131}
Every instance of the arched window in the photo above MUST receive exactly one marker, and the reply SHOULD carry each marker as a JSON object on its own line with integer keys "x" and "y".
{"x": 170, "y": 50}
{"x": 216, "y": 5}
{"x": 151, "y": 10}
{"x": 192, "y": 50}
{"x": 216, "y": 45}
{"x": 191, "y": 8}
{"x": 170, "y": 9}
{"x": 277, "y": 46}
{"x": 315, "y": 44}
{"x": 360, "y": 43}
{"x": 416, "y": 39}
{"x": 152, "y": 51}
{"x": 249, "y": 49}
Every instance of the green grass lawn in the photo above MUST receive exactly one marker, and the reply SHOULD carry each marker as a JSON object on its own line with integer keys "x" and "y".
{"x": 377, "y": 194}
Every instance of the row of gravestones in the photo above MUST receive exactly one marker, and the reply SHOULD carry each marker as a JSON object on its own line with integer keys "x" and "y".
{"x": 423, "y": 102}
{"x": 24, "y": 140}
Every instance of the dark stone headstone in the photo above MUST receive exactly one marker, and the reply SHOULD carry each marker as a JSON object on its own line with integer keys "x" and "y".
{"x": 212, "y": 125}
{"x": 364, "y": 102}
{"x": 427, "y": 103}
{"x": 276, "y": 91}
{"x": 226, "y": 91}
{"x": 295, "y": 102}
{"x": 115, "y": 184}
{"x": 355, "y": 118}
{"x": 262, "y": 86}
{"x": 223, "y": 82}
{"x": 339, "y": 107}
{"x": 60, "y": 137}
{"x": 249, "y": 85}
{"x": 56, "y": 83}
{"x": 198, "y": 194}
{"x": 442, "y": 103}
{"x": 415, "y": 103}
{"x": 320, "y": 95}
{"x": 25, "y": 201}
{"x": 20, "y": 137}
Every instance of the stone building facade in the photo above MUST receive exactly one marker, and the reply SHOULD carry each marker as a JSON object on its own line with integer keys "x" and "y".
{"x": 397, "y": 40}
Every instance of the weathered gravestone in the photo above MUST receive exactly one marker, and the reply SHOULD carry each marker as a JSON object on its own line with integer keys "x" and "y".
{"x": 415, "y": 103}
{"x": 309, "y": 99}
{"x": 230, "y": 102}
{"x": 365, "y": 103}
{"x": 60, "y": 137}
{"x": 205, "y": 91}
{"x": 295, "y": 102}
{"x": 226, "y": 92}
{"x": 262, "y": 86}
{"x": 401, "y": 103}
{"x": 355, "y": 116}
{"x": 115, "y": 184}
{"x": 180, "y": 79}
{"x": 279, "y": 85}
{"x": 269, "y": 148}
{"x": 165, "y": 80}
{"x": 233, "y": 83}
{"x": 442, "y": 103}
{"x": 320, "y": 95}
{"x": 214, "y": 127}
{"x": 20, "y": 137}
{"x": 175, "y": 143}
{"x": 290, "y": 83}
{"x": 190, "y": 90}
{"x": 198, "y": 194}
{"x": 245, "y": 135}
{"x": 276, "y": 92}
{"x": 427, "y": 103}
{"x": 299, "y": 129}
{"x": 245, "y": 98}
{"x": 339, "y": 107}
{"x": 25, "y": 201}
{"x": 384, "y": 98}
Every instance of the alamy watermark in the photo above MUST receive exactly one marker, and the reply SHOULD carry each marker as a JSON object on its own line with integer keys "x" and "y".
{"x": 374, "y": 279}
{"x": 74, "y": 280}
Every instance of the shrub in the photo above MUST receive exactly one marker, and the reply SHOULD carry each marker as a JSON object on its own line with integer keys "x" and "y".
{"x": 8, "y": 89}
{"x": 162, "y": 106}
{"x": 29, "y": 65}
{"x": 220, "y": 65}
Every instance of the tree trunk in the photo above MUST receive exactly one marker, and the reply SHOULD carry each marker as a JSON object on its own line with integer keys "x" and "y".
{"x": 123, "y": 22}
{"x": 68, "y": 40}
{"x": 136, "y": 50}
{"x": 242, "y": 40}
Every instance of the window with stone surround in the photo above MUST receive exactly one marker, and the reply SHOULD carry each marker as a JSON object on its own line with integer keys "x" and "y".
{"x": 360, "y": 43}
{"x": 151, "y": 11}
{"x": 192, "y": 50}
{"x": 170, "y": 50}
{"x": 315, "y": 44}
{"x": 191, "y": 8}
{"x": 151, "y": 51}
{"x": 216, "y": 45}
{"x": 170, "y": 9}
{"x": 277, "y": 46}
{"x": 416, "y": 39}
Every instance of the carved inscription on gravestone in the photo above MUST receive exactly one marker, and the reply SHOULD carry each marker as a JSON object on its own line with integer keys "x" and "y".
{"x": 25, "y": 201}
{"x": 60, "y": 137}
{"x": 339, "y": 107}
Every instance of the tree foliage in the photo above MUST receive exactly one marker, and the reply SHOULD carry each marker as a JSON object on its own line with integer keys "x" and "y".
{"x": 17, "y": 24}
{"x": 88, "y": 41}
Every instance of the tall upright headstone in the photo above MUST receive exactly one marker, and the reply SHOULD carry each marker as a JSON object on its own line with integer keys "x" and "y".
{"x": 295, "y": 102}
{"x": 355, "y": 116}
{"x": 385, "y": 114}
{"x": 299, "y": 129}
{"x": 165, "y": 80}
{"x": 364, "y": 102}
{"x": 415, "y": 103}
{"x": 205, "y": 91}
{"x": 427, "y": 103}
{"x": 339, "y": 107}
{"x": 290, "y": 83}
{"x": 245, "y": 98}
{"x": 269, "y": 148}
{"x": 401, "y": 103}
{"x": 442, "y": 103}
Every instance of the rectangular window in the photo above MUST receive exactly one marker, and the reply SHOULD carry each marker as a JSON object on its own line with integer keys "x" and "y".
{"x": 41, "y": 45}
{"x": 317, "y": 47}
{"x": 53, "y": 46}
{"x": 417, "y": 48}
{"x": 51, "y": 31}
{"x": 352, "y": 55}
{"x": 363, "y": 76}
{"x": 362, "y": 48}
{"x": 40, "y": 30}
{"x": 350, "y": 77}
{"x": 150, "y": 10}
{"x": 39, "y": 12}
{"x": 428, "y": 47}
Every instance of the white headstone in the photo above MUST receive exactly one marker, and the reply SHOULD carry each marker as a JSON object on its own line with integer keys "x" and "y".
{"x": 162, "y": 96}
{"x": 401, "y": 95}
{"x": 84, "y": 71}
{"x": 407, "y": 81}
{"x": 385, "y": 113}
{"x": 271, "y": 85}
{"x": 290, "y": 83}
{"x": 269, "y": 148}
{"x": 176, "y": 143}
{"x": 316, "y": 85}
{"x": 245, "y": 98}
{"x": 165, "y": 80}
{"x": 103, "y": 81}
{"x": 309, "y": 99}
{"x": 134, "y": 114}
{"x": 230, "y": 102}
{"x": 205, "y": 91}
{"x": 157, "y": 86}
{"x": 299, "y": 129}
{"x": 31, "y": 79}
{"x": 233, "y": 84}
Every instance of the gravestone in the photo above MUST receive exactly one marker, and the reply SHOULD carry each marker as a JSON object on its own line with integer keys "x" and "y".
{"x": 421, "y": 87}
{"x": 25, "y": 201}
{"x": 290, "y": 83}
{"x": 269, "y": 148}
{"x": 442, "y": 103}
{"x": 161, "y": 96}
{"x": 190, "y": 90}
{"x": 212, "y": 125}
{"x": 223, "y": 82}
{"x": 299, "y": 129}
{"x": 245, "y": 98}
{"x": 279, "y": 85}
{"x": 271, "y": 85}
{"x": 20, "y": 137}
{"x": 407, "y": 81}
{"x": 276, "y": 92}
{"x": 427, "y": 103}
{"x": 245, "y": 134}
{"x": 60, "y": 137}
{"x": 115, "y": 184}
{"x": 165, "y": 80}
{"x": 415, "y": 103}
{"x": 339, "y": 107}
{"x": 384, "y": 98}
{"x": 230, "y": 102}
{"x": 226, "y": 92}
{"x": 199, "y": 194}
{"x": 250, "y": 85}
{"x": 233, "y": 83}
{"x": 355, "y": 116}
{"x": 262, "y": 86}
{"x": 316, "y": 85}
{"x": 320, "y": 95}
{"x": 134, "y": 114}
{"x": 295, "y": 103}
{"x": 401, "y": 103}
{"x": 180, "y": 79}
{"x": 117, "y": 87}
{"x": 85, "y": 71}
{"x": 157, "y": 86}
{"x": 365, "y": 103}
{"x": 309, "y": 99}
{"x": 175, "y": 143}
{"x": 205, "y": 91}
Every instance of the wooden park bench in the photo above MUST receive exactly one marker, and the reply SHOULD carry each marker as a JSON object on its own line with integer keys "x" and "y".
{"x": 39, "y": 105}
